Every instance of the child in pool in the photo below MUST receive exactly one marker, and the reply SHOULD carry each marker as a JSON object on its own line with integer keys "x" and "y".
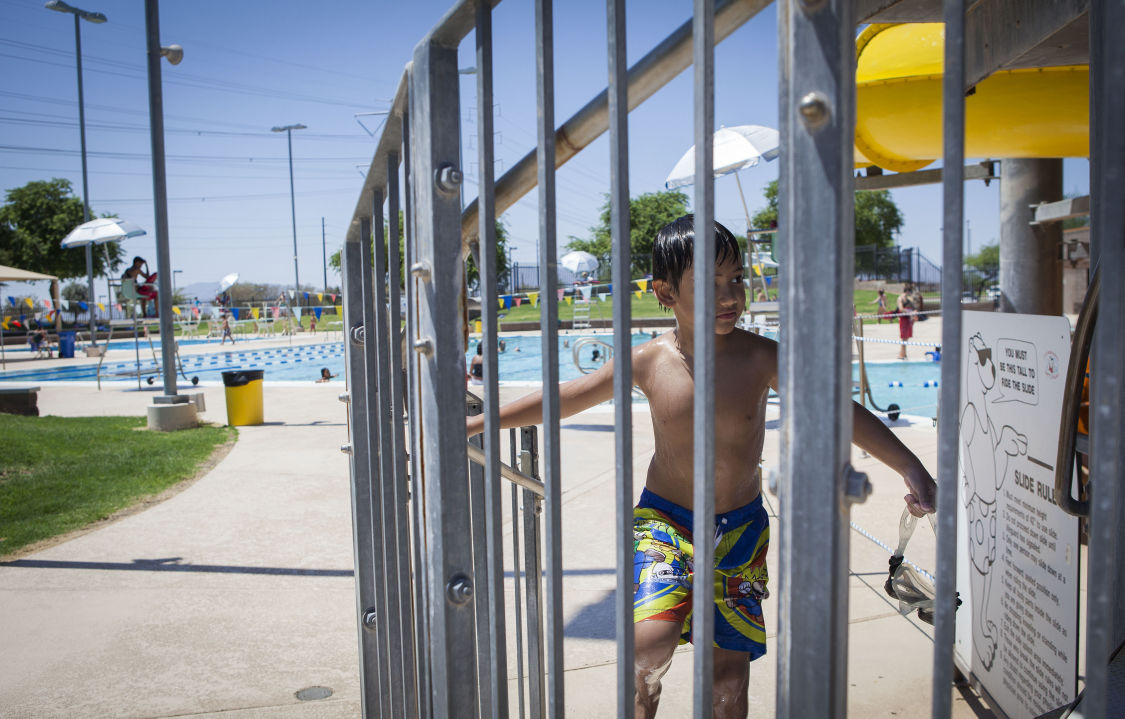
{"x": 746, "y": 368}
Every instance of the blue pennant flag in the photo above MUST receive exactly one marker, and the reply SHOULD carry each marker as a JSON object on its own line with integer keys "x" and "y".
{"x": 83, "y": 305}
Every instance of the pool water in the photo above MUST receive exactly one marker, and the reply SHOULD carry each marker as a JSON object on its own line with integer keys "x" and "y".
{"x": 910, "y": 385}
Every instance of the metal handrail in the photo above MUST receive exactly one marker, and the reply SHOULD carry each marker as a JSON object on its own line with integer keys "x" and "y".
{"x": 1072, "y": 400}
{"x": 476, "y": 454}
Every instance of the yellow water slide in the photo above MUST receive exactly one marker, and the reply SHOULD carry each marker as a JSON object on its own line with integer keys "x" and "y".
{"x": 1038, "y": 112}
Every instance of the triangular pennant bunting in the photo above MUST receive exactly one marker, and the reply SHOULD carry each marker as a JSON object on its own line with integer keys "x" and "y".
{"x": 317, "y": 311}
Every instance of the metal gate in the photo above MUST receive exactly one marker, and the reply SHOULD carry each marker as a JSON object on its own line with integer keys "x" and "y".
{"x": 427, "y": 528}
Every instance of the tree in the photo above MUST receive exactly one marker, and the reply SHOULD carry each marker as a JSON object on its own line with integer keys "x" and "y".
{"x": 74, "y": 291}
{"x": 877, "y": 217}
{"x": 336, "y": 262}
{"x": 647, "y": 214}
{"x": 34, "y": 221}
{"x": 984, "y": 266}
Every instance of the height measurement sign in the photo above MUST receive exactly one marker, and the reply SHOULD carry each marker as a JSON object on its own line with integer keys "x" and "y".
{"x": 1017, "y": 569}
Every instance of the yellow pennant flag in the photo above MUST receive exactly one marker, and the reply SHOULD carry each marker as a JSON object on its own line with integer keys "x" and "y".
{"x": 29, "y": 302}
{"x": 757, "y": 270}
{"x": 340, "y": 310}
{"x": 101, "y": 307}
{"x": 640, "y": 294}
{"x": 255, "y": 311}
{"x": 319, "y": 298}
{"x": 500, "y": 302}
{"x": 4, "y": 323}
{"x": 569, "y": 300}
{"x": 643, "y": 284}
{"x": 534, "y": 297}
{"x": 176, "y": 310}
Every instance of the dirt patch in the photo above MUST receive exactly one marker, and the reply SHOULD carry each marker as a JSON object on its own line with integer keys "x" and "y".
{"x": 141, "y": 505}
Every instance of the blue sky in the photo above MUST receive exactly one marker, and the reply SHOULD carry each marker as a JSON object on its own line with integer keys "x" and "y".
{"x": 250, "y": 66}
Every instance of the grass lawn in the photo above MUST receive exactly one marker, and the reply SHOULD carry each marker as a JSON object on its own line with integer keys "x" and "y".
{"x": 63, "y": 473}
{"x": 644, "y": 307}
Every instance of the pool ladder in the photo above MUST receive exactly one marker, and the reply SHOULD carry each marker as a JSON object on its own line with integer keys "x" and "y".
{"x": 605, "y": 354}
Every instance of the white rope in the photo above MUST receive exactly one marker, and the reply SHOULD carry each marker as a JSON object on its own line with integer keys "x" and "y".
{"x": 896, "y": 315}
{"x": 890, "y": 551}
{"x": 878, "y": 340}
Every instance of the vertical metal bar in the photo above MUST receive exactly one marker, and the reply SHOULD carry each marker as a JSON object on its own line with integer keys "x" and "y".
{"x": 435, "y": 108}
{"x": 391, "y": 620}
{"x": 817, "y": 112}
{"x": 398, "y": 441}
{"x": 359, "y": 414}
{"x": 953, "y": 195}
{"x": 703, "y": 354}
{"x": 379, "y": 624}
{"x": 622, "y": 348}
{"x": 533, "y": 576}
{"x": 482, "y": 590}
{"x": 1107, "y": 364}
{"x": 552, "y": 475}
{"x": 516, "y": 571}
{"x": 420, "y": 571}
{"x": 494, "y": 521}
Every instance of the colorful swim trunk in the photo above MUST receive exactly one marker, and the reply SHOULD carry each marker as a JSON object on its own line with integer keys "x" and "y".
{"x": 663, "y": 569}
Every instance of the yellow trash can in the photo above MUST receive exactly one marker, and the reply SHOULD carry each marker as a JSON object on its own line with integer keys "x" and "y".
{"x": 244, "y": 396}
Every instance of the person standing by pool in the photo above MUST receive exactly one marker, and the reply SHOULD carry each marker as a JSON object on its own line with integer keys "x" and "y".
{"x": 904, "y": 308}
{"x": 746, "y": 367}
{"x": 226, "y": 330}
{"x": 881, "y": 300}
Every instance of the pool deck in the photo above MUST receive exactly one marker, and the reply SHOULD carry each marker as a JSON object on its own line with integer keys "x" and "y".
{"x": 226, "y": 598}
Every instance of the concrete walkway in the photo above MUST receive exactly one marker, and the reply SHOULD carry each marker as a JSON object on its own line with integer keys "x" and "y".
{"x": 237, "y": 592}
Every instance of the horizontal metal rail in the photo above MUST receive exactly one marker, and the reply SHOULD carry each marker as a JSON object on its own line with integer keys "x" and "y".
{"x": 512, "y": 475}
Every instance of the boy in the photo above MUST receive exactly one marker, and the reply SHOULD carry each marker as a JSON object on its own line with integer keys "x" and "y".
{"x": 746, "y": 369}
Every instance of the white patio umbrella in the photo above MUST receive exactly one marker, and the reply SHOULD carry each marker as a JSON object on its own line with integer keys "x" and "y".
{"x": 99, "y": 232}
{"x": 579, "y": 262}
{"x": 735, "y": 148}
{"x": 228, "y": 281}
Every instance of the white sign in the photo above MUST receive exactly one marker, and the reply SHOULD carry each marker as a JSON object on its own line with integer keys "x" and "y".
{"x": 1017, "y": 569}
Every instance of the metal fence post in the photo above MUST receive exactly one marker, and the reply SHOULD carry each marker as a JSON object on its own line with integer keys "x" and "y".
{"x": 359, "y": 414}
{"x": 438, "y": 344}
{"x": 817, "y": 45}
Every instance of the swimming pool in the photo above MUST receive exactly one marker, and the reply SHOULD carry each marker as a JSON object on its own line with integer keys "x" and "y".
{"x": 299, "y": 362}
{"x": 910, "y": 385}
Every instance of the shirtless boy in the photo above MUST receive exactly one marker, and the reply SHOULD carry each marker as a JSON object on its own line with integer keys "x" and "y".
{"x": 745, "y": 369}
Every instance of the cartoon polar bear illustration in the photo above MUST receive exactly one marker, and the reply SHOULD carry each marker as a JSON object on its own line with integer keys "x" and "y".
{"x": 984, "y": 465}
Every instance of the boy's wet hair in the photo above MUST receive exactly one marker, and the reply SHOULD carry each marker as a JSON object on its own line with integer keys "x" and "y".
{"x": 675, "y": 242}
{"x": 138, "y": 260}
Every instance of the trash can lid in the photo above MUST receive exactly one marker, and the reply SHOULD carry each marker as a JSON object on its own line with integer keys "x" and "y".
{"x": 238, "y": 378}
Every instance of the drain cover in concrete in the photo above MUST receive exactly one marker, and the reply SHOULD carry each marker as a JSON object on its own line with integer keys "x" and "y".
{"x": 309, "y": 694}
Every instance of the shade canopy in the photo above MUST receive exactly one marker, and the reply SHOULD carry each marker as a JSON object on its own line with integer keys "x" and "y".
{"x": 105, "y": 229}
{"x": 579, "y": 262}
{"x": 735, "y": 148}
{"x": 13, "y": 274}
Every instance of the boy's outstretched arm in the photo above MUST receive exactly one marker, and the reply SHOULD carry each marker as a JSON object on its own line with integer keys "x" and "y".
{"x": 871, "y": 435}
{"x": 574, "y": 396}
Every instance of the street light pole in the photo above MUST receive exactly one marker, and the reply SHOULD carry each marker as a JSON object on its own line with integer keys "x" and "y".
{"x": 97, "y": 18}
{"x": 288, "y": 130}
{"x": 165, "y": 273}
{"x": 324, "y": 253}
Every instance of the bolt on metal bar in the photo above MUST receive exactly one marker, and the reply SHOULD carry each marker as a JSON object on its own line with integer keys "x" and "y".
{"x": 552, "y": 475}
{"x": 359, "y": 463}
{"x": 381, "y": 625}
{"x": 435, "y": 113}
{"x": 493, "y": 515}
{"x": 816, "y": 224}
{"x": 703, "y": 357}
{"x": 400, "y": 494}
{"x": 419, "y": 554}
{"x": 953, "y": 197}
{"x": 1105, "y": 623}
{"x": 617, "y": 91}
{"x": 532, "y": 505}
{"x": 392, "y": 611}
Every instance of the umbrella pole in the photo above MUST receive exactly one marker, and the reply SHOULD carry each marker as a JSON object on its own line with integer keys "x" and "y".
{"x": 108, "y": 293}
{"x": 746, "y": 212}
{"x": 3, "y": 357}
